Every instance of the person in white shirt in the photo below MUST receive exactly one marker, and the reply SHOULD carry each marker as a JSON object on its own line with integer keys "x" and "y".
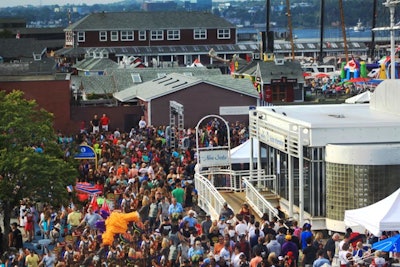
{"x": 241, "y": 228}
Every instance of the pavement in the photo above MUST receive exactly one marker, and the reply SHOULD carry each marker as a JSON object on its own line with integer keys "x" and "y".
{"x": 37, "y": 240}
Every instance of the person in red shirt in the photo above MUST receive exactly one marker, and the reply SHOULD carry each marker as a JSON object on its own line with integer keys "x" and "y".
{"x": 104, "y": 121}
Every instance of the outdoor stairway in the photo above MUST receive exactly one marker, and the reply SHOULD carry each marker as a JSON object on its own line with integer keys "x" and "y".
{"x": 270, "y": 196}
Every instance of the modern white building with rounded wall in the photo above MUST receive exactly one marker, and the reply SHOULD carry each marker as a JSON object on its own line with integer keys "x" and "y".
{"x": 331, "y": 158}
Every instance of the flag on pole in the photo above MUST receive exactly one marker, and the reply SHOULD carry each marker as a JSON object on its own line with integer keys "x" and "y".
{"x": 105, "y": 207}
{"x": 94, "y": 204}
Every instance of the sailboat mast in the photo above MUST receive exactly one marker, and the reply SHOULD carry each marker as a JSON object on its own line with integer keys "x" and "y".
{"x": 321, "y": 34}
{"x": 289, "y": 15}
{"x": 346, "y": 50}
{"x": 372, "y": 50}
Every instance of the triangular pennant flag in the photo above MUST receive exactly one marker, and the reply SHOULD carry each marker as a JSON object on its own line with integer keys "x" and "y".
{"x": 94, "y": 204}
{"x": 105, "y": 207}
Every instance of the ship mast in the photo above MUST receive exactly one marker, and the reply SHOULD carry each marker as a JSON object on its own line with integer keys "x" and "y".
{"x": 289, "y": 15}
{"x": 346, "y": 50}
{"x": 321, "y": 34}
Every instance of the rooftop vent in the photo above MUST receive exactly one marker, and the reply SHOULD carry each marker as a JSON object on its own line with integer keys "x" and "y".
{"x": 337, "y": 116}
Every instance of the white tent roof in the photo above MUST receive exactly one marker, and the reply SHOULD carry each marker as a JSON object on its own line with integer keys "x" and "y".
{"x": 381, "y": 216}
{"x": 241, "y": 153}
{"x": 364, "y": 97}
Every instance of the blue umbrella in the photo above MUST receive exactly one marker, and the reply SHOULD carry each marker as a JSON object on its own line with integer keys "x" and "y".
{"x": 391, "y": 244}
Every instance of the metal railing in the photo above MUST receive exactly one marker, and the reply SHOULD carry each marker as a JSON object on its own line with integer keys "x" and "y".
{"x": 211, "y": 201}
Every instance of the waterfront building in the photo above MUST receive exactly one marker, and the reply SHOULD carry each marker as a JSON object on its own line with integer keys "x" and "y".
{"x": 331, "y": 158}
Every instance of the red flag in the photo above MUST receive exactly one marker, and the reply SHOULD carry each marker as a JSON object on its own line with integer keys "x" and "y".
{"x": 105, "y": 207}
{"x": 94, "y": 204}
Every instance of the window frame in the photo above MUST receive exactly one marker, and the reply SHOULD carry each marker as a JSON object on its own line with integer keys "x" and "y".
{"x": 200, "y": 34}
{"x": 142, "y": 35}
{"x": 173, "y": 35}
{"x": 80, "y": 37}
{"x": 126, "y": 36}
{"x": 224, "y": 33}
{"x": 114, "y": 36}
{"x": 103, "y": 36}
{"x": 156, "y": 35}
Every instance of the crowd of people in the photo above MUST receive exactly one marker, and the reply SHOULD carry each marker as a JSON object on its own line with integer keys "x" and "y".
{"x": 139, "y": 172}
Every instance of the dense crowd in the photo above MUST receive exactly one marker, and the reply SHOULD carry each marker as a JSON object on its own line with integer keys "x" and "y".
{"x": 139, "y": 172}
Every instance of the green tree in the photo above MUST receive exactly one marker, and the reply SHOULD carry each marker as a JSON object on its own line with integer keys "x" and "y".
{"x": 26, "y": 172}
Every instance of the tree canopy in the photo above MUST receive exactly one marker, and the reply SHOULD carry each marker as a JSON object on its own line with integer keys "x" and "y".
{"x": 31, "y": 162}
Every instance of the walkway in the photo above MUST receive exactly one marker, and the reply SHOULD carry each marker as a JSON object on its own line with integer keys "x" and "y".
{"x": 235, "y": 200}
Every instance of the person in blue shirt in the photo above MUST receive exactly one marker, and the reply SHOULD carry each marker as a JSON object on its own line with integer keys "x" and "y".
{"x": 305, "y": 234}
{"x": 321, "y": 260}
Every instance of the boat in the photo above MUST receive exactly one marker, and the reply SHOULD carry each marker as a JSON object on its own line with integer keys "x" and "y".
{"x": 359, "y": 27}
{"x": 315, "y": 68}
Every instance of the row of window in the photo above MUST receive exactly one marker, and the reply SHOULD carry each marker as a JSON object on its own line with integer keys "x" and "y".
{"x": 154, "y": 35}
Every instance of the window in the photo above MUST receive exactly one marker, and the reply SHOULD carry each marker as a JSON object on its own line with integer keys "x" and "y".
{"x": 224, "y": 34}
{"x": 114, "y": 36}
{"x": 173, "y": 35}
{"x": 157, "y": 35}
{"x": 142, "y": 36}
{"x": 136, "y": 78}
{"x": 103, "y": 36}
{"x": 200, "y": 34}
{"x": 126, "y": 35}
{"x": 81, "y": 36}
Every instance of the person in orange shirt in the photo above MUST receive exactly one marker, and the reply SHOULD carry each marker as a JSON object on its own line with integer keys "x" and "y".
{"x": 122, "y": 169}
{"x": 219, "y": 246}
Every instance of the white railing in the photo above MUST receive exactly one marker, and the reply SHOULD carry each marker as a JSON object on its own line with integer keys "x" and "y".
{"x": 225, "y": 179}
{"x": 257, "y": 201}
{"x": 211, "y": 201}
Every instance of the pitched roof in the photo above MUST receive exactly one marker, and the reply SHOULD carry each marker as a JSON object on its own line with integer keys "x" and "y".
{"x": 149, "y": 20}
{"x": 98, "y": 85}
{"x": 95, "y": 64}
{"x": 25, "y": 47}
{"x": 174, "y": 82}
{"x": 117, "y": 79}
{"x": 270, "y": 70}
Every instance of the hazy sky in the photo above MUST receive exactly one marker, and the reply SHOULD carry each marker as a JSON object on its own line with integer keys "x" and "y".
{"x": 5, "y": 3}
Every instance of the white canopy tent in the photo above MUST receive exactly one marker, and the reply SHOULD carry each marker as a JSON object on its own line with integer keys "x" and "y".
{"x": 364, "y": 97}
{"x": 381, "y": 216}
{"x": 241, "y": 153}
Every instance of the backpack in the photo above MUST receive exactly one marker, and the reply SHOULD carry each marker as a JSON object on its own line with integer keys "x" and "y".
{"x": 127, "y": 206}
{"x": 85, "y": 247}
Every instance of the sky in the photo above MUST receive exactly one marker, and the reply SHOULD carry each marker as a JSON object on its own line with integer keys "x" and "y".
{"x": 5, "y": 3}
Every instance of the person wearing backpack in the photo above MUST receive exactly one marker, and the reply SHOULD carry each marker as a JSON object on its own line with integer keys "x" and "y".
{"x": 126, "y": 203}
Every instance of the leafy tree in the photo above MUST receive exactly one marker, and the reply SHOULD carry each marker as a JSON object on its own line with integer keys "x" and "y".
{"x": 31, "y": 162}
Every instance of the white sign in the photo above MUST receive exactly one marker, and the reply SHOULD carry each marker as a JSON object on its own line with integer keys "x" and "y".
{"x": 272, "y": 139}
{"x": 234, "y": 110}
{"x": 212, "y": 158}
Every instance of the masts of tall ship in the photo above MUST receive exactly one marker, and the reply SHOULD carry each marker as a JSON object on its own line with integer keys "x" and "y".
{"x": 346, "y": 50}
{"x": 289, "y": 15}
{"x": 321, "y": 33}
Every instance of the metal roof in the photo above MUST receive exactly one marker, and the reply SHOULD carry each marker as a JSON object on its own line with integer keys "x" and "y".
{"x": 174, "y": 82}
{"x": 163, "y": 50}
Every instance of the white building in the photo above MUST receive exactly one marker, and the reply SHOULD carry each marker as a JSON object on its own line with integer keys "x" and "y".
{"x": 330, "y": 158}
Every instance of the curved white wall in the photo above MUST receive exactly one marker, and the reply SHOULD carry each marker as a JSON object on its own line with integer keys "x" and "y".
{"x": 363, "y": 154}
